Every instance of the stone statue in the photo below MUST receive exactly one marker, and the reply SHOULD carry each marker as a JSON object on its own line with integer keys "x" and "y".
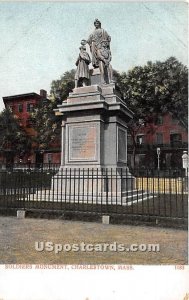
{"x": 98, "y": 36}
{"x": 82, "y": 73}
{"x": 104, "y": 56}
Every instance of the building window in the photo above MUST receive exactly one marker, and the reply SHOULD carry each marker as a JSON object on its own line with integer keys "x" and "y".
{"x": 175, "y": 139}
{"x": 159, "y": 120}
{"x": 159, "y": 138}
{"x": 20, "y": 108}
{"x": 30, "y": 107}
{"x": 49, "y": 158}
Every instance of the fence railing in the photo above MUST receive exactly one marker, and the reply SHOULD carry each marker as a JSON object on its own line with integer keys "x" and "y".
{"x": 97, "y": 191}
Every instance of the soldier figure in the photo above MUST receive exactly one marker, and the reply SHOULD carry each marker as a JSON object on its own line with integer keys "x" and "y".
{"x": 82, "y": 63}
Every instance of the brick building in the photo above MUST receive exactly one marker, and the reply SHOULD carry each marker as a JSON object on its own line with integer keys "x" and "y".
{"x": 165, "y": 133}
{"x": 22, "y": 106}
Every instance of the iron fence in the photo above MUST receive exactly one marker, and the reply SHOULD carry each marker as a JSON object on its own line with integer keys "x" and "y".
{"x": 97, "y": 191}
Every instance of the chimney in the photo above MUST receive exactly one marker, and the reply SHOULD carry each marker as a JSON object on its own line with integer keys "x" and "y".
{"x": 43, "y": 94}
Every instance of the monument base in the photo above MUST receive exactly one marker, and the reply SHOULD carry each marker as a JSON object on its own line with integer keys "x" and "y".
{"x": 95, "y": 185}
{"x": 94, "y": 146}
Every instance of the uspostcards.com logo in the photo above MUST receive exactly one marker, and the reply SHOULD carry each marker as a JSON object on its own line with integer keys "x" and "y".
{"x": 99, "y": 247}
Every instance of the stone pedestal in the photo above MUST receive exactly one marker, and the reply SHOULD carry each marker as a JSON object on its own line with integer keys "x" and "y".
{"x": 94, "y": 141}
{"x": 94, "y": 128}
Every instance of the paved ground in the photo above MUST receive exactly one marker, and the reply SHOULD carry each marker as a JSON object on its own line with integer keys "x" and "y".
{"x": 18, "y": 236}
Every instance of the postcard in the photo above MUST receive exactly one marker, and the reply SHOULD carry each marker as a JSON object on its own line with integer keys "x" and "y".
{"x": 94, "y": 150}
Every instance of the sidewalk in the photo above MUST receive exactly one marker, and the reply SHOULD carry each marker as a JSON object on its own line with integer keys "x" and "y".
{"x": 18, "y": 237}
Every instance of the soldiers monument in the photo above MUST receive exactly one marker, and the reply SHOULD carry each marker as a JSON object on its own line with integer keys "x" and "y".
{"x": 94, "y": 121}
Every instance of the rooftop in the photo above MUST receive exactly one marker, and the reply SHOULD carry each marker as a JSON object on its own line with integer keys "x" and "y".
{"x": 43, "y": 94}
{"x": 22, "y": 96}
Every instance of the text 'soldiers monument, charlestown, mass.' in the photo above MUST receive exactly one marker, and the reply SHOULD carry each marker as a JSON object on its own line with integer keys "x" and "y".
{"x": 94, "y": 123}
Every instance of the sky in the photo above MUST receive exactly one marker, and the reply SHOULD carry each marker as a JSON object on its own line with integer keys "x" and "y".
{"x": 40, "y": 40}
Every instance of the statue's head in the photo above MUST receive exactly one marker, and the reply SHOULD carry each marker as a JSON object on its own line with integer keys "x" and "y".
{"x": 97, "y": 23}
{"x": 83, "y": 42}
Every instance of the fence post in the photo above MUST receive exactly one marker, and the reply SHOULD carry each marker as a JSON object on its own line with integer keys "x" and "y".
{"x": 185, "y": 167}
{"x": 106, "y": 184}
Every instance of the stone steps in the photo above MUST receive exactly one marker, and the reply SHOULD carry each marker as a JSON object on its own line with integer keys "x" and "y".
{"x": 130, "y": 198}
